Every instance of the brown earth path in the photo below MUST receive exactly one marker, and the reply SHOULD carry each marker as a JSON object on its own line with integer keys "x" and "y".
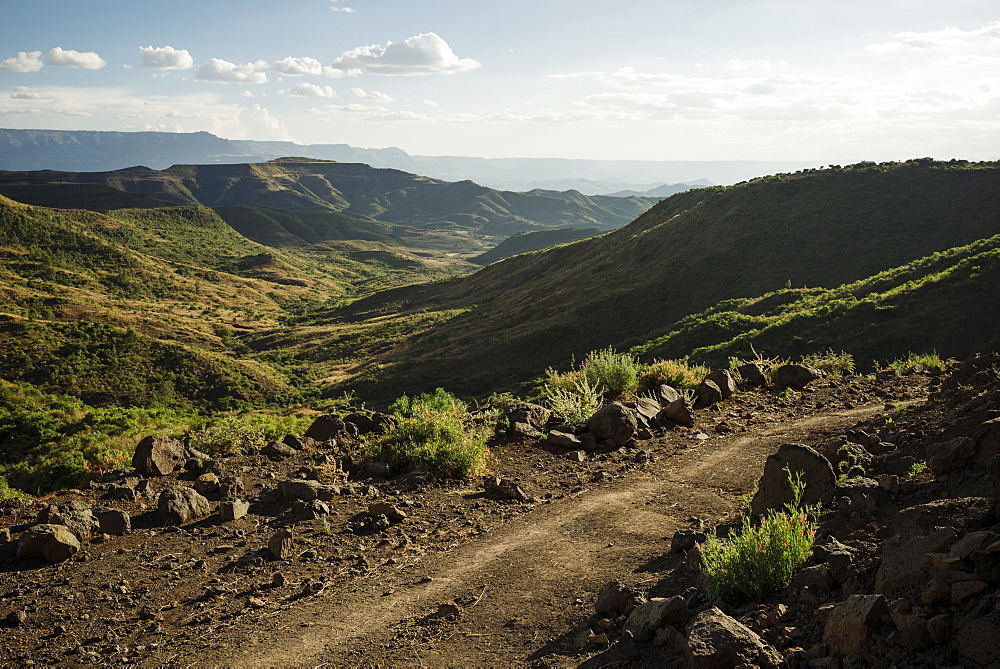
{"x": 523, "y": 590}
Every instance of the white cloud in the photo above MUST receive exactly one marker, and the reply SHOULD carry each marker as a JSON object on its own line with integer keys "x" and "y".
{"x": 422, "y": 54}
{"x": 30, "y": 61}
{"x": 166, "y": 58}
{"x": 305, "y": 90}
{"x": 371, "y": 95}
{"x": 222, "y": 71}
{"x": 257, "y": 123}
{"x": 430, "y": 103}
{"x": 335, "y": 8}
{"x": 763, "y": 65}
{"x": 299, "y": 66}
{"x": 334, "y": 73}
{"x": 25, "y": 93}
{"x": 81, "y": 61}
{"x": 948, "y": 38}
{"x": 246, "y": 94}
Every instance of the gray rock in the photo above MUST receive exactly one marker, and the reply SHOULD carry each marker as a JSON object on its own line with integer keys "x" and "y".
{"x": 665, "y": 394}
{"x": 576, "y": 456}
{"x": 679, "y": 411}
{"x": 114, "y": 521}
{"x": 796, "y": 376}
{"x": 281, "y": 544}
{"x": 159, "y": 456}
{"x": 851, "y": 623}
{"x": 716, "y": 641}
{"x": 708, "y": 393}
{"x": 774, "y": 490}
{"x": 4, "y": 535}
{"x": 179, "y": 504}
{"x": 613, "y": 597}
{"x": 307, "y": 490}
{"x": 525, "y": 420}
{"x": 685, "y": 540}
{"x": 54, "y": 543}
{"x": 614, "y": 421}
{"x": 987, "y": 439}
{"x": 233, "y": 509}
{"x": 326, "y": 427}
{"x": 963, "y": 513}
{"x": 647, "y": 412}
{"x": 977, "y": 640}
{"x": 972, "y": 542}
{"x": 725, "y": 381}
{"x": 81, "y": 522}
{"x": 950, "y": 455}
{"x": 588, "y": 442}
{"x": 278, "y": 450}
{"x": 390, "y": 511}
{"x": 752, "y": 375}
{"x": 657, "y": 612}
{"x": 564, "y": 440}
{"x": 903, "y": 564}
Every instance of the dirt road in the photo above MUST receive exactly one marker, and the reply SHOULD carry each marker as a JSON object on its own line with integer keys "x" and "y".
{"x": 519, "y": 594}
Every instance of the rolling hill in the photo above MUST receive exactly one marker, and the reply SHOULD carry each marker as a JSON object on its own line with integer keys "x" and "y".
{"x": 326, "y": 200}
{"x": 507, "y": 322}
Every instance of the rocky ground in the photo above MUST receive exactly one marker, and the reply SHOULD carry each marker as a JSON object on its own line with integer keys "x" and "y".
{"x": 332, "y": 564}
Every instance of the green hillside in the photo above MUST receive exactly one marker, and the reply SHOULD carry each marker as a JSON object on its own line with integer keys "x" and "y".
{"x": 945, "y": 301}
{"x": 146, "y": 306}
{"x": 695, "y": 249}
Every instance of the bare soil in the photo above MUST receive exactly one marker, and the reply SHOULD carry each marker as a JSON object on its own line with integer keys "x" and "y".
{"x": 464, "y": 580}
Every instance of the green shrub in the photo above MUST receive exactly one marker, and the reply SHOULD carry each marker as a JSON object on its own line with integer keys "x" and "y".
{"x": 676, "y": 373}
{"x": 225, "y": 434}
{"x": 833, "y": 363}
{"x": 928, "y": 360}
{"x": 612, "y": 373}
{"x": 575, "y": 403}
{"x": 433, "y": 431}
{"x": 761, "y": 560}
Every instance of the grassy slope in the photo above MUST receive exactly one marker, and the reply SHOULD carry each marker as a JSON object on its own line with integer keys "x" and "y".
{"x": 168, "y": 290}
{"x": 944, "y": 301}
{"x": 689, "y": 252}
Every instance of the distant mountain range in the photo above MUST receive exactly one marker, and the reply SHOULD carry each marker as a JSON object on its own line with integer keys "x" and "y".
{"x": 93, "y": 151}
{"x": 294, "y": 202}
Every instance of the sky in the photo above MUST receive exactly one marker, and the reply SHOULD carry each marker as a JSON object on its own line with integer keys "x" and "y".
{"x": 834, "y": 82}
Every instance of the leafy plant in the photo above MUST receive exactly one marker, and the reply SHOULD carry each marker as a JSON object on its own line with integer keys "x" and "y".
{"x": 761, "y": 560}
{"x": 226, "y": 434}
{"x": 834, "y": 363}
{"x": 575, "y": 403}
{"x": 433, "y": 431}
{"x": 928, "y": 360}
{"x": 917, "y": 468}
{"x": 676, "y": 373}
{"x": 612, "y": 373}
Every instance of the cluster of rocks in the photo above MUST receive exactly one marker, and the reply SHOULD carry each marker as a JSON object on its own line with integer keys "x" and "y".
{"x": 621, "y": 424}
{"x": 915, "y": 578}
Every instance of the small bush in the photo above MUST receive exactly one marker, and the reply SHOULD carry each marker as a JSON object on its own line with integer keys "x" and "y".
{"x": 612, "y": 373}
{"x": 761, "y": 560}
{"x": 676, "y": 373}
{"x": 433, "y": 431}
{"x": 224, "y": 435}
{"x": 928, "y": 360}
{"x": 575, "y": 403}
{"x": 833, "y": 363}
